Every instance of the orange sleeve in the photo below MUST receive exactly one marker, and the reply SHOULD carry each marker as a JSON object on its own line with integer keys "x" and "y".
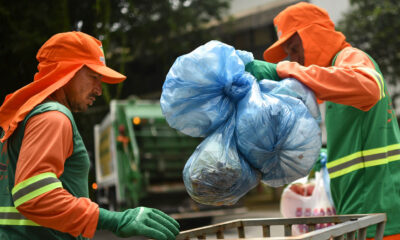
{"x": 47, "y": 143}
{"x": 352, "y": 81}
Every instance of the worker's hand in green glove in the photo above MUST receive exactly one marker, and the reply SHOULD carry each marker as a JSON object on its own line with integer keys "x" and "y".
{"x": 262, "y": 70}
{"x": 148, "y": 222}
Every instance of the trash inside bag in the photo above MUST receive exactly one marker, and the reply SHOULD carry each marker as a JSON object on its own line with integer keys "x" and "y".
{"x": 216, "y": 174}
{"x": 251, "y": 128}
{"x": 277, "y": 135}
{"x": 294, "y": 88}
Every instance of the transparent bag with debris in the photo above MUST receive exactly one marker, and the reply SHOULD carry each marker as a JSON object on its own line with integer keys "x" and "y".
{"x": 313, "y": 200}
{"x": 216, "y": 173}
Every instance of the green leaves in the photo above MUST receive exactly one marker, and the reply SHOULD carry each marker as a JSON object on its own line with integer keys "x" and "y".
{"x": 141, "y": 38}
{"x": 145, "y": 37}
{"x": 373, "y": 27}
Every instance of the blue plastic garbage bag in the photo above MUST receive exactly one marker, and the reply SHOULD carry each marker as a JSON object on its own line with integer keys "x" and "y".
{"x": 274, "y": 132}
{"x": 201, "y": 88}
{"x": 277, "y": 135}
{"x": 294, "y": 88}
{"x": 216, "y": 174}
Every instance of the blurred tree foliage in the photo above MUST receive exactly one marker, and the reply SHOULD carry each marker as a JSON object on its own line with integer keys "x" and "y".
{"x": 373, "y": 26}
{"x": 141, "y": 38}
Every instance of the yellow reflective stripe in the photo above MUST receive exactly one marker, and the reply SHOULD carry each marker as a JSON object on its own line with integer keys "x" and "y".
{"x": 31, "y": 180}
{"x": 8, "y": 209}
{"x": 364, "y": 154}
{"x": 394, "y": 158}
{"x": 11, "y": 216}
{"x": 346, "y": 170}
{"x": 36, "y": 193}
{"x": 24, "y": 222}
{"x": 343, "y": 159}
{"x": 34, "y": 186}
{"x": 381, "y": 149}
{"x": 377, "y": 77}
{"x": 364, "y": 165}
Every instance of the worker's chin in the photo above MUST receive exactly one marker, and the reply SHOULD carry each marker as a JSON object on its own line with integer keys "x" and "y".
{"x": 80, "y": 108}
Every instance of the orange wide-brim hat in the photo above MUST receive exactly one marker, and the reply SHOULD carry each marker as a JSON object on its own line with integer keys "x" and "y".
{"x": 300, "y": 17}
{"x": 316, "y": 30}
{"x": 60, "y": 58}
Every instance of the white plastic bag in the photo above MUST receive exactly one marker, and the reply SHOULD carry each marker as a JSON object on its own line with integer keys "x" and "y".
{"x": 317, "y": 204}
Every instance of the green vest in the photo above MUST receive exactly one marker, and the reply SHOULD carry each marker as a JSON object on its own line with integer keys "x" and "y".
{"x": 74, "y": 179}
{"x": 363, "y": 159}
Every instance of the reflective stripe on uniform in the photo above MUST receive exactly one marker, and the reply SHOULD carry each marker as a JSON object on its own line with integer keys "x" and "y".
{"x": 11, "y": 216}
{"x": 363, "y": 159}
{"x": 33, "y": 187}
{"x": 378, "y": 79}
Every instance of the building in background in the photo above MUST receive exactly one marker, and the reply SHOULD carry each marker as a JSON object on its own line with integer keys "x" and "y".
{"x": 249, "y": 24}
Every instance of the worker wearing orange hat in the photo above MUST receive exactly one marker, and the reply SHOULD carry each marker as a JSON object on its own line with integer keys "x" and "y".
{"x": 363, "y": 137}
{"x": 44, "y": 164}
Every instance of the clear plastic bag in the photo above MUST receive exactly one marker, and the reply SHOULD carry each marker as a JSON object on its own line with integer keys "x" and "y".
{"x": 315, "y": 204}
{"x": 216, "y": 174}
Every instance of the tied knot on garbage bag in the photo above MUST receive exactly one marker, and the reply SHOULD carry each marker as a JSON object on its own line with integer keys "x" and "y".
{"x": 198, "y": 91}
{"x": 239, "y": 87}
{"x": 253, "y": 131}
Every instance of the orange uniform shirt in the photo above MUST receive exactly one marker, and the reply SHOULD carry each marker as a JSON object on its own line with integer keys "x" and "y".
{"x": 346, "y": 83}
{"x": 47, "y": 143}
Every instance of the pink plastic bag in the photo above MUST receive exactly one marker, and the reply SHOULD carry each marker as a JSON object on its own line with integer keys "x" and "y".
{"x": 317, "y": 204}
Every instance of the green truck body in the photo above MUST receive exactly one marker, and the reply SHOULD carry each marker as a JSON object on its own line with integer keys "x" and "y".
{"x": 139, "y": 159}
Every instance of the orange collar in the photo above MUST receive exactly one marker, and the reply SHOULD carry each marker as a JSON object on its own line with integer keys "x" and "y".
{"x": 59, "y": 60}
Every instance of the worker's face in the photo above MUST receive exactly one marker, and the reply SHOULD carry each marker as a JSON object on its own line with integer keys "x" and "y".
{"x": 294, "y": 49}
{"x": 81, "y": 91}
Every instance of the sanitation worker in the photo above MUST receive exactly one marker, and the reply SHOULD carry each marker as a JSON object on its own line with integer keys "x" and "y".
{"x": 44, "y": 165}
{"x": 363, "y": 139}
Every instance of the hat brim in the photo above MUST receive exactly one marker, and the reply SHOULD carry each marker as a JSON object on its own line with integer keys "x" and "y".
{"x": 109, "y": 75}
{"x": 275, "y": 52}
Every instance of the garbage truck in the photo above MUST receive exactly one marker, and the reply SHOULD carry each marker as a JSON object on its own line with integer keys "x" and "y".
{"x": 139, "y": 160}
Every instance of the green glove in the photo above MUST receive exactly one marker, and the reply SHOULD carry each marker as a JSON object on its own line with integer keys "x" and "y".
{"x": 148, "y": 222}
{"x": 262, "y": 70}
